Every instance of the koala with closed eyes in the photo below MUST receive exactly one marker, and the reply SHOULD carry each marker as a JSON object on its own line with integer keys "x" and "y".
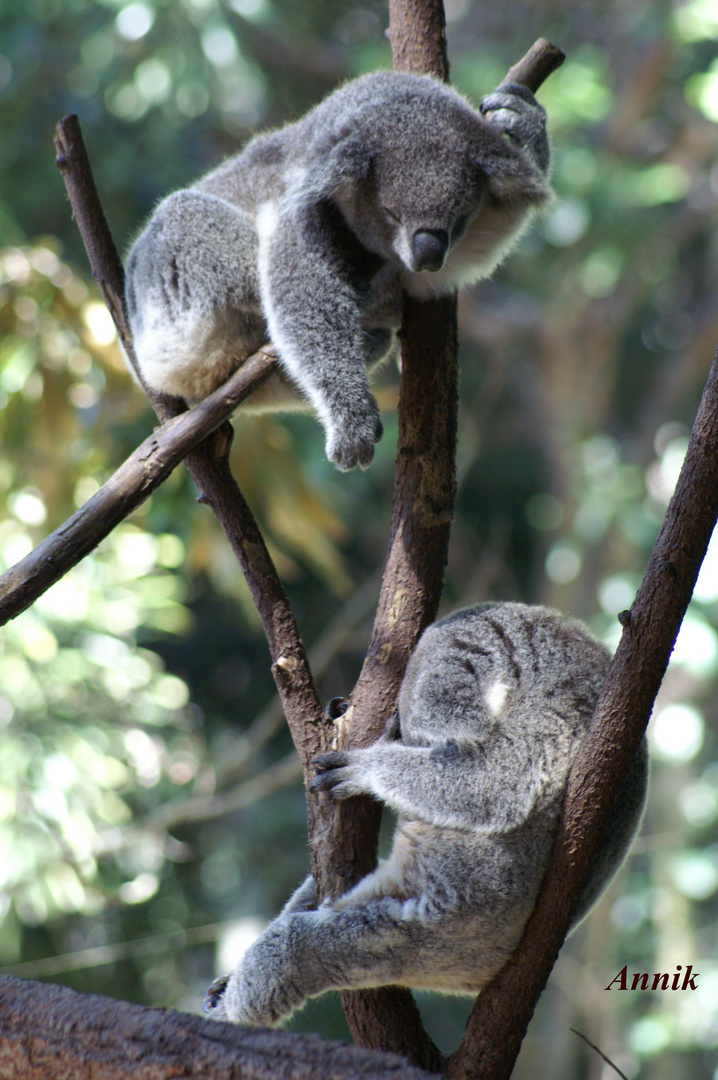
{"x": 492, "y": 709}
{"x": 309, "y": 237}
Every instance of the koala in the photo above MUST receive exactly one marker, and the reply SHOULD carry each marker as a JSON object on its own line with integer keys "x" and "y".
{"x": 492, "y": 710}
{"x": 311, "y": 234}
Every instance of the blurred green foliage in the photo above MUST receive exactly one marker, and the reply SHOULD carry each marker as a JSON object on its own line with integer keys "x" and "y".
{"x": 137, "y": 689}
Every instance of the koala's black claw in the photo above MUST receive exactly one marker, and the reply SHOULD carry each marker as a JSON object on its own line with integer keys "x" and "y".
{"x": 518, "y": 91}
{"x": 326, "y": 781}
{"x": 333, "y": 759}
{"x": 326, "y": 766}
{"x": 214, "y": 993}
{"x": 337, "y": 707}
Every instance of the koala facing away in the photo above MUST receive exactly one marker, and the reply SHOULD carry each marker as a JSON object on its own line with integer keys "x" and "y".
{"x": 493, "y": 707}
{"x": 309, "y": 235}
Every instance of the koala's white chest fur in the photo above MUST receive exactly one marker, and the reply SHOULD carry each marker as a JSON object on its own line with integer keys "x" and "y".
{"x": 486, "y": 243}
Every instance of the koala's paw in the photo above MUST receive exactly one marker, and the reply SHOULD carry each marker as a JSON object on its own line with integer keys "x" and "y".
{"x": 518, "y": 113}
{"x": 351, "y": 440}
{"x": 337, "y": 774}
{"x": 231, "y": 997}
{"x": 212, "y": 1003}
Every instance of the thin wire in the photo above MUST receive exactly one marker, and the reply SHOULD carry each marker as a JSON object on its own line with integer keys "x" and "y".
{"x": 599, "y": 1052}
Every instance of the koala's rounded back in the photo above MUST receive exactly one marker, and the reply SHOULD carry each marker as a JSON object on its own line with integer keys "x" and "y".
{"x": 526, "y": 672}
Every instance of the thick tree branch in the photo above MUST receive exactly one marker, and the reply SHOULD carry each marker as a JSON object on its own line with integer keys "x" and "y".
{"x": 504, "y": 1008}
{"x": 417, "y": 32}
{"x": 53, "y": 1033}
{"x": 413, "y": 579}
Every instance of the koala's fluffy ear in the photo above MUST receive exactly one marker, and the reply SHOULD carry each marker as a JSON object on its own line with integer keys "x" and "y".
{"x": 341, "y": 156}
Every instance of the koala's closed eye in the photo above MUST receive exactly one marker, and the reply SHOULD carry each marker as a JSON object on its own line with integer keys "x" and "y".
{"x": 478, "y": 791}
{"x": 393, "y": 214}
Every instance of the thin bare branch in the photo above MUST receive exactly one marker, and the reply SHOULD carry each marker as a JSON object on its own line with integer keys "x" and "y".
{"x": 107, "y": 269}
{"x": 599, "y": 1052}
{"x": 534, "y": 68}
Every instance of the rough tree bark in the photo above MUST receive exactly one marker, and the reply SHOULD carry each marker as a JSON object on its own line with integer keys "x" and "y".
{"x": 54, "y": 1033}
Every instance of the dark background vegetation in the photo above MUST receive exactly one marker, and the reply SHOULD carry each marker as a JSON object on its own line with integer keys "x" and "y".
{"x": 141, "y": 681}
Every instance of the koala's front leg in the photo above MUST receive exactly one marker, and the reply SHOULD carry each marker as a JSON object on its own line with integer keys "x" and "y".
{"x": 313, "y": 311}
{"x": 458, "y": 787}
{"x": 518, "y": 113}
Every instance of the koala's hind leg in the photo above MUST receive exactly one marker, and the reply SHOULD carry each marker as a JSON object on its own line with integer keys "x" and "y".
{"x": 192, "y": 294}
{"x": 303, "y": 954}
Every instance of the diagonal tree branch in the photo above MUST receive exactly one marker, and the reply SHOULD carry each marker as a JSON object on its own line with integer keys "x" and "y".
{"x": 504, "y": 1008}
{"x": 135, "y": 480}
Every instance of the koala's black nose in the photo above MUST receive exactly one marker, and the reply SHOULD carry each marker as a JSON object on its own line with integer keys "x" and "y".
{"x": 429, "y": 248}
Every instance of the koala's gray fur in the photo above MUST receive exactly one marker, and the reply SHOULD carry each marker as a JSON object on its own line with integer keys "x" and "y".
{"x": 308, "y": 237}
{"x": 494, "y": 704}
